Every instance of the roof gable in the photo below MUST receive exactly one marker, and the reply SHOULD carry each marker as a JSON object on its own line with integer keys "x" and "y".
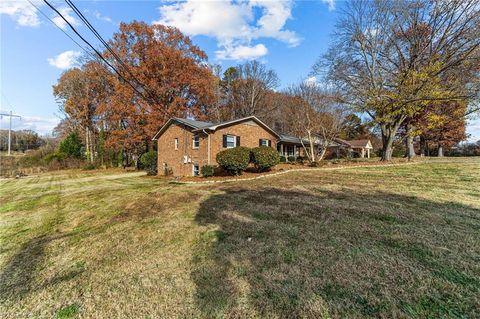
{"x": 188, "y": 122}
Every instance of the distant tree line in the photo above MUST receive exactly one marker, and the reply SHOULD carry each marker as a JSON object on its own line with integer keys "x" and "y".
{"x": 21, "y": 140}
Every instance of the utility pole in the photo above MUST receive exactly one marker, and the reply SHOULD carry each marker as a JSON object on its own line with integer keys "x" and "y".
{"x": 9, "y": 128}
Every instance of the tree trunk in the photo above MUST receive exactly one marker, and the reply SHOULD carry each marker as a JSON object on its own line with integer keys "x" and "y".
{"x": 87, "y": 143}
{"x": 423, "y": 146}
{"x": 92, "y": 146}
{"x": 322, "y": 154}
{"x": 410, "y": 150}
{"x": 440, "y": 150}
{"x": 312, "y": 148}
{"x": 388, "y": 136}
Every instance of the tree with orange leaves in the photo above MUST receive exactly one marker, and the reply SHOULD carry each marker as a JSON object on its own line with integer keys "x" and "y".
{"x": 163, "y": 75}
{"x": 171, "y": 73}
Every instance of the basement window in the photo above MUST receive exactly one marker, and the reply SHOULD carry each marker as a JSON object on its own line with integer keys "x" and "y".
{"x": 195, "y": 170}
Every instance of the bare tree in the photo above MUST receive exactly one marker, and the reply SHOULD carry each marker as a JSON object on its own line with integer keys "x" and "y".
{"x": 316, "y": 116}
{"x": 245, "y": 90}
{"x": 391, "y": 59}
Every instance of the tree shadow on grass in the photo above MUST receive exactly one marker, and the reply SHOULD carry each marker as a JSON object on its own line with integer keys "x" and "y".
{"x": 273, "y": 252}
{"x": 18, "y": 276}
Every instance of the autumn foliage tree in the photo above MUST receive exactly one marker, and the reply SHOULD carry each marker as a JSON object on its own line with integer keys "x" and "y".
{"x": 163, "y": 75}
{"x": 442, "y": 125}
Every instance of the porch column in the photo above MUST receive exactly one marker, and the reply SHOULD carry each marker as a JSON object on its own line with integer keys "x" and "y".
{"x": 282, "y": 152}
{"x": 362, "y": 154}
{"x": 368, "y": 153}
{"x": 295, "y": 151}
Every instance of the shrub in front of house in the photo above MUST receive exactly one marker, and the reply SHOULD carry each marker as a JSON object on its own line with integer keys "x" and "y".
{"x": 207, "y": 170}
{"x": 283, "y": 159}
{"x": 148, "y": 161}
{"x": 234, "y": 160}
{"x": 300, "y": 159}
{"x": 264, "y": 158}
{"x": 291, "y": 159}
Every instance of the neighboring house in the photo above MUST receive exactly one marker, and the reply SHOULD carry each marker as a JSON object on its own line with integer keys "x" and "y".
{"x": 185, "y": 145}
{"x": 360, "y": 147}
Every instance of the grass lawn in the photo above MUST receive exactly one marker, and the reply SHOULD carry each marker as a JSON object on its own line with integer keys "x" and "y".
{"x": 391, "y": 241}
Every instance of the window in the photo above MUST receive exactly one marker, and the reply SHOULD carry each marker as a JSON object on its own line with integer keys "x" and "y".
{"x": 195, "y": 170}
{"x": 290, "y": 150}
{"x": 265, "y": 142}
{"x": 231, "y": 141}
{"x": 176, "y": 143}
{"x": 196, "y": 141}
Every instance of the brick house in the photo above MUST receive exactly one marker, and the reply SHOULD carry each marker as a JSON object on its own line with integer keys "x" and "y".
{"x": 185, "y": 145}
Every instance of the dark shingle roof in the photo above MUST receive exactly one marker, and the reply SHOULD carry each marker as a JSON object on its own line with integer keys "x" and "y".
{"x": 291, "y": 139}
{"x": 193, "y": 123}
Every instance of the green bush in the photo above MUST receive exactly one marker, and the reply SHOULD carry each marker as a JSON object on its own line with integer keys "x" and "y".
{"x": 149, "y": 162}
{"x": 291, "y": 159}
{"x": 207, "y": 170}
{"x": 55, "y": 156}
{"x": 300, "y": 159}
{"x": 89, "y": 167}
{"x": 71, "y": 146}
{"x": 264, "y": 157}
{"x": 234, "y": 160}
{"x": 283, "y": 159}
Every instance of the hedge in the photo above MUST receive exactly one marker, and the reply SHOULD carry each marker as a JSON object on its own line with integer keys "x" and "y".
{"x": 207, "y": 170}
{"x": 234, "y": 160}
{"x": 264, "y": 157}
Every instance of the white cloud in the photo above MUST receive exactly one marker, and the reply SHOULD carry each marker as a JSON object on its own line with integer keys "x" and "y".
{"x": 233, "y": 24}
{"x": 66, "y": 12}
{"x": 65, "y": 60}
{"x": 330, "y": 4}
{"x": 311, "y": 81}
{"x": 41, "y": 125}
{"x": 99, "y": 16}
{"x": 21, "y": 11}
{"x": 242, "y": 52}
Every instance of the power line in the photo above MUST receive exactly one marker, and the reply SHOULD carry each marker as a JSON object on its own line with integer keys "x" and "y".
{"x": 59, "y": 28}
{"x": 107, "y": 46}
{"x": 98, "y": 36}
{"x": 96, "y": 51}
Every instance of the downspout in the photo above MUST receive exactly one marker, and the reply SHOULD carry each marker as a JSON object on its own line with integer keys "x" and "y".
{"x": 208, "y": 145}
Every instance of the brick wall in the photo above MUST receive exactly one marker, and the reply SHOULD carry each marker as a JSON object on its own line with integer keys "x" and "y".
{"x": 175, "y": 158}
{"x": 249, "y": 132}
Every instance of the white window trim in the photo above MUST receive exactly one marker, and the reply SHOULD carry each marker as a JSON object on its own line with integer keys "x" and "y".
{"x": 234, "y": 141}
{"x": 176, "y": 143}
{"x": 264, "y": 140}
{"x": 193, "y": 141}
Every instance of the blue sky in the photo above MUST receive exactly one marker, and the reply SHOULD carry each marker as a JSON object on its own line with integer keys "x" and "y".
{"x": 288, "y": 36}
